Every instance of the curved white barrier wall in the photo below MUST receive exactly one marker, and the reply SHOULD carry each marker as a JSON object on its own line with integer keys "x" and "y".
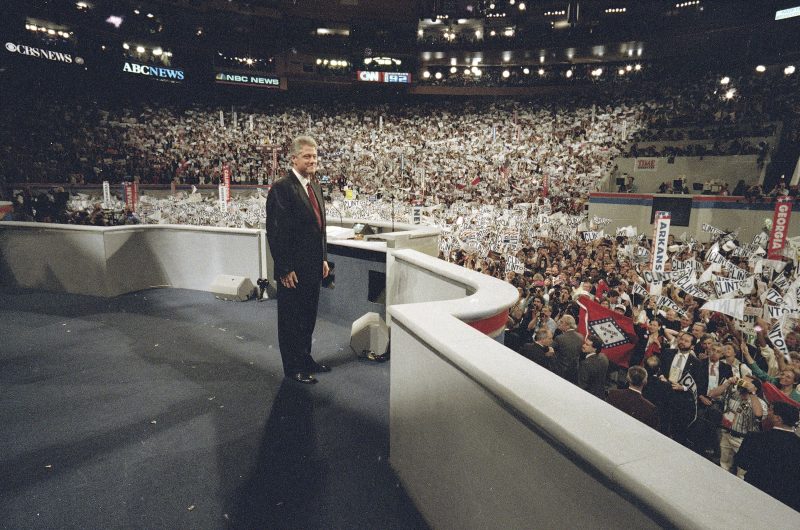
{"x": 483, "y": 438}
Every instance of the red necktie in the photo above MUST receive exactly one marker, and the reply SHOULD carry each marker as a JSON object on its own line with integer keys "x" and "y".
{"x": 314, "y": 204}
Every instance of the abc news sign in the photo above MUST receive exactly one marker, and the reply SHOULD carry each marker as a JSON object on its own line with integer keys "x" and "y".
{"x": 383, "y": 77}
{"x": 42, "y": 53}
{"x": 156, "y": 72}
{"x": 262, "y": 81}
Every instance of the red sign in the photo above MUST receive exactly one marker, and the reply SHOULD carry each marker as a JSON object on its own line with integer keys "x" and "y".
{"x": 131, "y": 194}
{"x": 780, "y": 227}
{"x": 226, "y": 176}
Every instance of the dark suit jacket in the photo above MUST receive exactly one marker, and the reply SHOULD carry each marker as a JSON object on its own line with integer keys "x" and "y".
{"x": 772, "y": 461}
{"x": 568, "y": 352}
{"x": 296, "y": 241}
{"x": 592, "y": 375}
{"x": 691, "y": 366}
{"x": 634, "y": 404}
{"x": 536, "y": 353}
{"x": 724, "y": 372}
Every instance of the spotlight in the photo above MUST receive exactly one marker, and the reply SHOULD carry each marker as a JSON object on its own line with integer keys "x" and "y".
{"x": 506, "y": 74}
{"x": 541, "y": 71}
{"x": 637, "y": 67}
{"x": 628, "y": 68}
{"x": 126, "y": 46}
{"x": 621, "y": 71}
{"x": 426, "y": 74}
{"x": 522, "y": 6}
{"x": 477, "y": 71}
{"x": 526, "y": 71}
{"x": 466, "y": 71}
{"x": 140, "y": 49}
{"x": 761, "y": 68}
{"x": 452, "y": 61}
{"x": 438, "y": 75}
{"x": 249, "y": 61}
{"x": 149, "y": 15}
{"x": 789, "y": 70}
{"x": 157, "y": 51}
{"x": 453, "y": 69}
{"x": 725, "y": 80}
{"x": 319, "y": 61}
{"x": 569, "y": 74}
{"x": 730, "y": 93}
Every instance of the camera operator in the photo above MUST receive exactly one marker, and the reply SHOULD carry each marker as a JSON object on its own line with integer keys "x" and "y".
{"x": 743, "y": 408}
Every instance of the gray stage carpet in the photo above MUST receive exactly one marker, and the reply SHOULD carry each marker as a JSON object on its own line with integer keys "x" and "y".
{"x": 167, "y": 409}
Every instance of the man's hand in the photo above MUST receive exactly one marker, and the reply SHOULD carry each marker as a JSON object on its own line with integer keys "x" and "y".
{"x": 705, "y": 401}
{"x": 325, "y": 269}
{"x": 290, "y": 280}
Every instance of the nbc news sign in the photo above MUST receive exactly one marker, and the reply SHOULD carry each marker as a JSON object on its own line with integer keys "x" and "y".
{"x": 262, "y": 81}
{"x": 42, "y": 53}
{"x": 156, "y": 72}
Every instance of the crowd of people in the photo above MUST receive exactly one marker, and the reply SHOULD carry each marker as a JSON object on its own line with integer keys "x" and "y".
{"x": 507, "y": 183}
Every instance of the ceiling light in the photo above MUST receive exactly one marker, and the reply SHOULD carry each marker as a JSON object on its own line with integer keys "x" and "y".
{"x": 761, "y": 68}
{"x": 725, "y": 80}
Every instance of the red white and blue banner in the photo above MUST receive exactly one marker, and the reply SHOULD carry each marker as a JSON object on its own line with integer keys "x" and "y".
{"x": 614, "y": 329}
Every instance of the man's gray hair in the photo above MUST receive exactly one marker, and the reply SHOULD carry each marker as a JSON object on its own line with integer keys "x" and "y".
{"x": 568, "y": 321}
{"x": 299, "y": 142}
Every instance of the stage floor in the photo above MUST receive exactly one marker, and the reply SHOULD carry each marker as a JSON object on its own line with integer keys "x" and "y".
{"x": 167, "y": 408}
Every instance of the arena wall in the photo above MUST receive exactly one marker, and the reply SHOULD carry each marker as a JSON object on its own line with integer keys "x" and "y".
{"x": 727, "y": 213}
{"x": 729, "y": 169}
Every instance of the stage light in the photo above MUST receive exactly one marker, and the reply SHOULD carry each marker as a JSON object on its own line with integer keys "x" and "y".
{"x": 126, "y": 46}
{"x": 493, "y": 33}
{"x": 621, "y": 71}
{"x": 789, "y": 70}
{"x": 420, "y": 33}
{"x": 453, "y": 61}
{"x": 82, "y": 5}
{"x": 136, "y": 12}
{"x": 506, "y": 74}
{"x": 157, "y": 51}
{"x": 541, "y": 71}
{"x": 512, "y": 2}
{"x": 426, "y": 74}
{"x": 140, "y": 49}
{"x": 597, "y": 72}
{"x": 730, "y": 93}
{"x": 541, "y": 59}
{"x": 522, "y": 6}
{"x": 249, "y": 61}
{"x": 569, "y": 74}
{"x": 438, "y": 75}
{"x": 761, "y": 68}
{"x": 637, "y": 67}
{"x": 526, "y": 71}
{"x": 453, "y": 69}
{"x": 509, "y": 32}
{"x": 725, "y": 80}
{"x": 628, "y": 68}
{"x": 477, "y": 71}
{"x": 325, "y": 62}
{"x": 51, "y": 32}
{"x": 478, "y": 34}
{"x": 319, "y": 61}
{"x": 491, "y": 6}
{"x": 149, "y": 15}
{"x": 466, "y": 71}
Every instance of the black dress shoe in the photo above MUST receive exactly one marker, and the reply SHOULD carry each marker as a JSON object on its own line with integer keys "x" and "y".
{"x": 303, "y": 377}
{"x": 318, "y": 368}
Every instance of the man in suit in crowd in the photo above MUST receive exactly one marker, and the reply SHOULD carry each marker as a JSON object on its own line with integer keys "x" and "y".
{"x": 567, "y": 347}
{"x": 772, "y": 458}
{"x": 296, "y": 234}
{"x": 593, "y": 368}
{"x": 680, "y": 408}
{"x": 710, "y": 374}
{"x": 540, "y": 350}
{"x": 631, "y": 401}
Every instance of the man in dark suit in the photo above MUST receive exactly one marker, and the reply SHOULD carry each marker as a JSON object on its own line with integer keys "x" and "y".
{"x": 296, "y": 234}
{"x": 772, "y": 458}
{"x": 593, "y": 369}
{"x": 630, "y": 400}
{"x": 710, "y": 374}
{"x": 567, "y": 347}
{"x": 680, "y": 408}
{"x": 540, "y": 350}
